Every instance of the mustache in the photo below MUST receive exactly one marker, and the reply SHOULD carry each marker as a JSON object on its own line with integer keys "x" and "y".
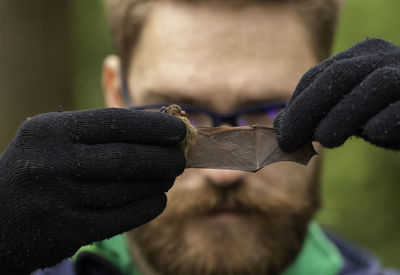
{"x": 239, "y": 197}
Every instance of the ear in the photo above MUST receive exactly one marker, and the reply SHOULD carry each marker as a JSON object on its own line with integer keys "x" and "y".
{"x": 111, "y": 81}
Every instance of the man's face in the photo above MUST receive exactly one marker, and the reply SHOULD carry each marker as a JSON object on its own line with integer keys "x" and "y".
{"x": 223, "y": 57}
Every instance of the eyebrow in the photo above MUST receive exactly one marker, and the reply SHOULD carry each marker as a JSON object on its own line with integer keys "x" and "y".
{"x": 170, "y": 97}
{"x": 156, "y": 96}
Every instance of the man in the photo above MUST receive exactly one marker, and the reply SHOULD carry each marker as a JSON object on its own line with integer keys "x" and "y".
{"x": 221, "y": 56}
{"x": 116, "y": 164}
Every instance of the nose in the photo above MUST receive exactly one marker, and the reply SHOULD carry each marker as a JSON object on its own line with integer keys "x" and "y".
{"x": 224, "y": 178}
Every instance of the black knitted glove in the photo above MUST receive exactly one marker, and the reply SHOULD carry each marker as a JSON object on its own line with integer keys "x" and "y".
{"x": 72, "y": 178}
{"x": 356, "y": 92}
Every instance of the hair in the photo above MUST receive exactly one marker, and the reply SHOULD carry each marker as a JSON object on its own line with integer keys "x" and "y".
{"x": 126, "y": 18}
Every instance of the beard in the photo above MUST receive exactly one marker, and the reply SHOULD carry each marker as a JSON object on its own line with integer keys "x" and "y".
{"x": 264, "y": 237}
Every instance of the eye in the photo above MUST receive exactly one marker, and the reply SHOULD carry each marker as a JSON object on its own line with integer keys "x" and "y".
{"x": 199, "y": 119}
{"x": 262, "y": 116}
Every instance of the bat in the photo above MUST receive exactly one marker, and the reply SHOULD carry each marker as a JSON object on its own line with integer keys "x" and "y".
{"x": 247, "y": 148}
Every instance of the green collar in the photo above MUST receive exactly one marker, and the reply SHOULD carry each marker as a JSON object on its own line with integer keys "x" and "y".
{"x": 318, "y": 256}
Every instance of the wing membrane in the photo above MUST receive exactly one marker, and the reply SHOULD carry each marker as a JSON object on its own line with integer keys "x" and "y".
{"x": 247, "y": 148}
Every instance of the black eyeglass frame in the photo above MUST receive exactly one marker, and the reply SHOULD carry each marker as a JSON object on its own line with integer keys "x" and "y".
{"x": 218, "y": 118}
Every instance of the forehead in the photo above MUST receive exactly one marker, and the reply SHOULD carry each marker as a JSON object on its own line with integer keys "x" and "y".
{"x": 219, "y": 55}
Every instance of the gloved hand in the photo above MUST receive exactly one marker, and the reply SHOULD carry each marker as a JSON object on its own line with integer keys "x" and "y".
{"x": 356, "y": 92}
{"x": 72, "y": 178}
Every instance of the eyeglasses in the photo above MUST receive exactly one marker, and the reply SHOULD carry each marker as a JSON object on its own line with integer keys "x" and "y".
{"x": 260, "y": 114}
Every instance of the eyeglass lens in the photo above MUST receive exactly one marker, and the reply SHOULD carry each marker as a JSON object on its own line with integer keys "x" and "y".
{"x": 264, "y": 116}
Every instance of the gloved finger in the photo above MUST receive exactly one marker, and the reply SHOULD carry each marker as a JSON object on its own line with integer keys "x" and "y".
{"x": 384, "y": 128}
{"x": 374, "y": 93}
{"x": 308, "y": 78}
{"x": 364, "y": 48}
{"x": 96, "y": 195}
{"x": 117, "y": 161}
{"x": 100, "y": 224}
{"x": 299, "y": 120}
{"x": 114, "y": 125}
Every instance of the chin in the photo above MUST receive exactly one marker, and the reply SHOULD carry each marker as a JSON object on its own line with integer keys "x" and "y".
{"x": 222, "y": 244}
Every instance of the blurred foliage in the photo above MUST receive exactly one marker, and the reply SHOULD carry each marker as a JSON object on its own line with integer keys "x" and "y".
{"x": 360, "y": 187}
{"x": 360, "y": 181}
{"x": 35, "y": 72}
{"x": 91, "y": 43}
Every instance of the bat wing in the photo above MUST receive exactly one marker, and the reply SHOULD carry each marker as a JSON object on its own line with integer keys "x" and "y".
{"x": 246, "y": 148}
{"x": 268, "y": 150}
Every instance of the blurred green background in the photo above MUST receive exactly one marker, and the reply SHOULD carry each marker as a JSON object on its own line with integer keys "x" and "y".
{"x": 360, "y": 181}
